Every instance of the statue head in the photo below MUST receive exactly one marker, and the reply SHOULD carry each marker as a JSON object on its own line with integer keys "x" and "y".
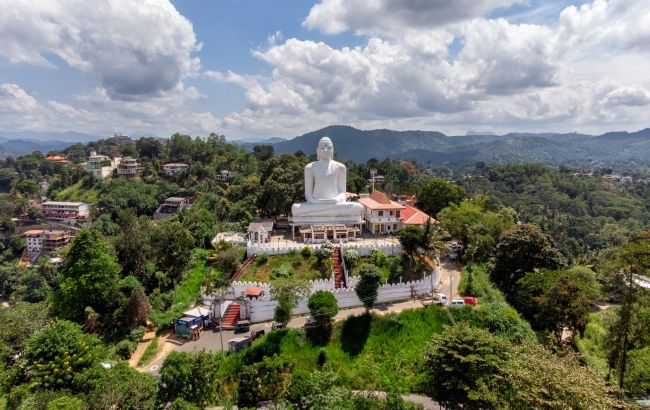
{"x": 325, "y": 149}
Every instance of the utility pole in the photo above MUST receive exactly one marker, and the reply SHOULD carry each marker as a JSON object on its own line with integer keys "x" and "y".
{"x": 221, "y": 297}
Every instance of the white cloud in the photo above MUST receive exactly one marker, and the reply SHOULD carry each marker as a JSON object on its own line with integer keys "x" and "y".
{"x": 419, "y": 71}
{"x": 132, "y": 49}
{"x": 14, "y": 100}
{"x": 381, "y": 16}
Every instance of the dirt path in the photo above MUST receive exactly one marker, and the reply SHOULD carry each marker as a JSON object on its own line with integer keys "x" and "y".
{"x": 166, "y": 344}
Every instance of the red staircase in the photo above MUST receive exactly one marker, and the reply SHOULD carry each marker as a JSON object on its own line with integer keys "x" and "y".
{"x": 338, "y": 270}
{"x": 231, "y": 317}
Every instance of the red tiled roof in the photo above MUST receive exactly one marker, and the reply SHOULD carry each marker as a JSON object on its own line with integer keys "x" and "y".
{"x": 413, "y": 216}
{"x": 253, "y": 292}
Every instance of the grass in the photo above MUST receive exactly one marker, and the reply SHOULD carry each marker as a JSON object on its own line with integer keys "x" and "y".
{"x": 372, "y": 352}
{"x": 149, "y": 352}
{"x": 479, "y": 285}
{"x": 186, "y": 293}
{"x": 78, "y": 193}
{"x": 302, "y": 268}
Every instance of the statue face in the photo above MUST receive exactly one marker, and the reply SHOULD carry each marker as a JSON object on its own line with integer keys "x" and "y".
{"x": 325, "y": 149}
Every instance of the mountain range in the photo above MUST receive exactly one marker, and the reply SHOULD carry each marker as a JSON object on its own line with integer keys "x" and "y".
{"x": 618, "y": 150}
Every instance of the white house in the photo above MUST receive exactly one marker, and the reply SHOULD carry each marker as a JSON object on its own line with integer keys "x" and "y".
{"x": 380, "y": 214}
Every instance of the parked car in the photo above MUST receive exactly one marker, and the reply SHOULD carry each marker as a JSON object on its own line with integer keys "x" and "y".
{"x": 243, "y": 326}
{"x": 256, "y": 334}
{"x": 455, "y": 250}
{"x": 310, "y": 321}
{"x": 239, "y": 343}
{"x": 440, "y": 299}
{"x": 278, "y": 325}
{"x": 457, "y": 303}
{"x": 470, "y": 300}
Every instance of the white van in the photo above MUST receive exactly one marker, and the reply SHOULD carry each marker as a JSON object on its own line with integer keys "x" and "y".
{"x": 440, "y": 298}
{"x": 457, "y": 302}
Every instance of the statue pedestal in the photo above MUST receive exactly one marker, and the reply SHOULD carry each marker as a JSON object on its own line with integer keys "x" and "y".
{"x": 326, "y": 220}
{"x": 347, "y": 213}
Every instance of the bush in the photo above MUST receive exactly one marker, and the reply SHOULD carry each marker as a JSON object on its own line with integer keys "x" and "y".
{"x": 322, "y": 306}
{"x": 262, "y": 259}
{"x": 282, "y": 272}
{"x": 306, "y": 252}
{"x": 124, "y": 349}
{"x": 351, "y": 256}
{"x": 137, "y": 333}
{"x": 378, "y": 258}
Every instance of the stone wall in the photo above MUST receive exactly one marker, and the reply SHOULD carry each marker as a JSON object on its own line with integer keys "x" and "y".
{"x": 364, "y": 247}
{"x": 261, "y": 310}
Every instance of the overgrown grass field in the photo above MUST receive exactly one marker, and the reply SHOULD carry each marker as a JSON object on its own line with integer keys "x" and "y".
{"x": 303, "y": 268}
{"x": 77, "y": 192}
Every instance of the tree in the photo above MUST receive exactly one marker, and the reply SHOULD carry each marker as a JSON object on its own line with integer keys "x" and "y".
{"x": 282, "y": 184}
{"x": 58, "y": 353}
{"x": 564, "y": 305}
{"x": 66, "y": 403}
{"x": 263, "y": 152}
{"x": 438, "y": 194}
{"x": 15, "y": 329}
{"x": 266, "y": 380}
{"x": 148, "y": 147}
{"x": 171, "y": 245}
{"x": 121, "y": 387}
{"x": 132, "y": 244}
{"x": 88, "y": 277}
{"x": 366, "y": 288}
{"x": 138, "y": 308}
{"x": 410, "y": 238}
{"x": 190, "y": 376}
{"x": 523, "y": 249}
{"x": 322, "y": 306}
{"x": 287, "y": 292}
{"x": 465, "y": 368}
{"x": 32, "y": 287}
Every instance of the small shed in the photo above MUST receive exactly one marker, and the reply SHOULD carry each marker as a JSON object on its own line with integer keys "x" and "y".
{"x": 253, "y": 292}
{"x": 259, "y": 232}
{"x": 192, "y": 321}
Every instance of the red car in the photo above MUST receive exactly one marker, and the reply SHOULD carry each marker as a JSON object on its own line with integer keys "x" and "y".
{"x": 469, "y": 300}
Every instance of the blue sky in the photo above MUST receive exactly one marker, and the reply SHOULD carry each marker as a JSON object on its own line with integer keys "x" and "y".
{"x": 264, "y": 68}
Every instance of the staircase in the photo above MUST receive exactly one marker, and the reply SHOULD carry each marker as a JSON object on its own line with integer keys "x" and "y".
{"x": 231, "y": 317}
{"x": 338, "y": 270}
{"x": 242, "y": 268}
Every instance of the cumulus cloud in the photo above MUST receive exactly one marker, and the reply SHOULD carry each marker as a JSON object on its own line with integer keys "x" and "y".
{"x": 133, "y": 50}
{"x": 438, "y": 65}
{"x": 15, "y": 100}
{"x": 363, "y": 16}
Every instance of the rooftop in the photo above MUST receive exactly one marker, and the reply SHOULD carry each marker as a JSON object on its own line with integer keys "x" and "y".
{"x": 379, "y": 200}
{"x": 413, "y": 216}
{"x": 64, "y": 203}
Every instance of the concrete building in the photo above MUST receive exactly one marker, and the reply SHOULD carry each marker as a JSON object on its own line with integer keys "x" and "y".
{"x": 45, "y": 241}
{"x": 65, "y": 210}
{"x": 128, "y": 168}
{"x": 175, "y": 168}
{"x": 100, "y": 166}
{"x": 34, "y": 241}
{"x": 380, "y": 214}
{"x": 171, "y": 206}
{"x": 259, "y": 232}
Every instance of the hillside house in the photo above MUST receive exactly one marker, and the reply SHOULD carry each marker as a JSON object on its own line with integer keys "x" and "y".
{"x": 381, "y": 215}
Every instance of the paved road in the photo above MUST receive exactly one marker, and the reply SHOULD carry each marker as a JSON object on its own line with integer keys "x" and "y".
{"x": 212, "y": 340}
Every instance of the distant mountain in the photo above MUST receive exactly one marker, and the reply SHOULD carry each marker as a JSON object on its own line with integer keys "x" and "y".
{"x": 618, "y": 150}
{"x": 68, "y": 136}
{"x": 15, "y": 148}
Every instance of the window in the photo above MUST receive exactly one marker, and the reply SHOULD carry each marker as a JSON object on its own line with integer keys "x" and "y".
{"x": 394, "y": 227}
{"x": 380, "y": 213}
{"x": 397, "y": 214}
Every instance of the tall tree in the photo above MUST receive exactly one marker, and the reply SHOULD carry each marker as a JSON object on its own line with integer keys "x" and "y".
{"x": 438, "y": 194}
{"x": 88, "y": 277}
{"x": 523, "y": 249}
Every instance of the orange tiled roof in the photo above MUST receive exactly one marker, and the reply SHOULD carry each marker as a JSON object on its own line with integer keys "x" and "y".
{"x": 413, "y": 216}
{"x": 55, "y": 158}
{"x": 379, "y": 200}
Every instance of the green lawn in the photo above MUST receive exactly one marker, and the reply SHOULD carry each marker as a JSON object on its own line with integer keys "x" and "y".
{"x": 77, "y": 193}
{"x": 302, "y": 268}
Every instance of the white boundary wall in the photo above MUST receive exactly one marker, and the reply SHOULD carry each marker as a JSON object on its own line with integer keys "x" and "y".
{"x": 363, "y": 247}
{"x": 261, "y": 310}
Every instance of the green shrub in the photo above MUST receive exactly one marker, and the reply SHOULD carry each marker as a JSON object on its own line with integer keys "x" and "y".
{"x": 137, "y": 333}
{"x": 378, "y": 258}
{"x": 262, "y": 259}
{"x": 351, "y": 256}
{"x": 124, "y": 349}
{"x": 306, "y": 252}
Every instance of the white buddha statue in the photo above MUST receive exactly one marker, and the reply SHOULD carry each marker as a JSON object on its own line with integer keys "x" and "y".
{"x": 325, "y": 186}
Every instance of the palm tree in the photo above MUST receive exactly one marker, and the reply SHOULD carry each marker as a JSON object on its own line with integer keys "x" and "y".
{"x": 431, "y": 242}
